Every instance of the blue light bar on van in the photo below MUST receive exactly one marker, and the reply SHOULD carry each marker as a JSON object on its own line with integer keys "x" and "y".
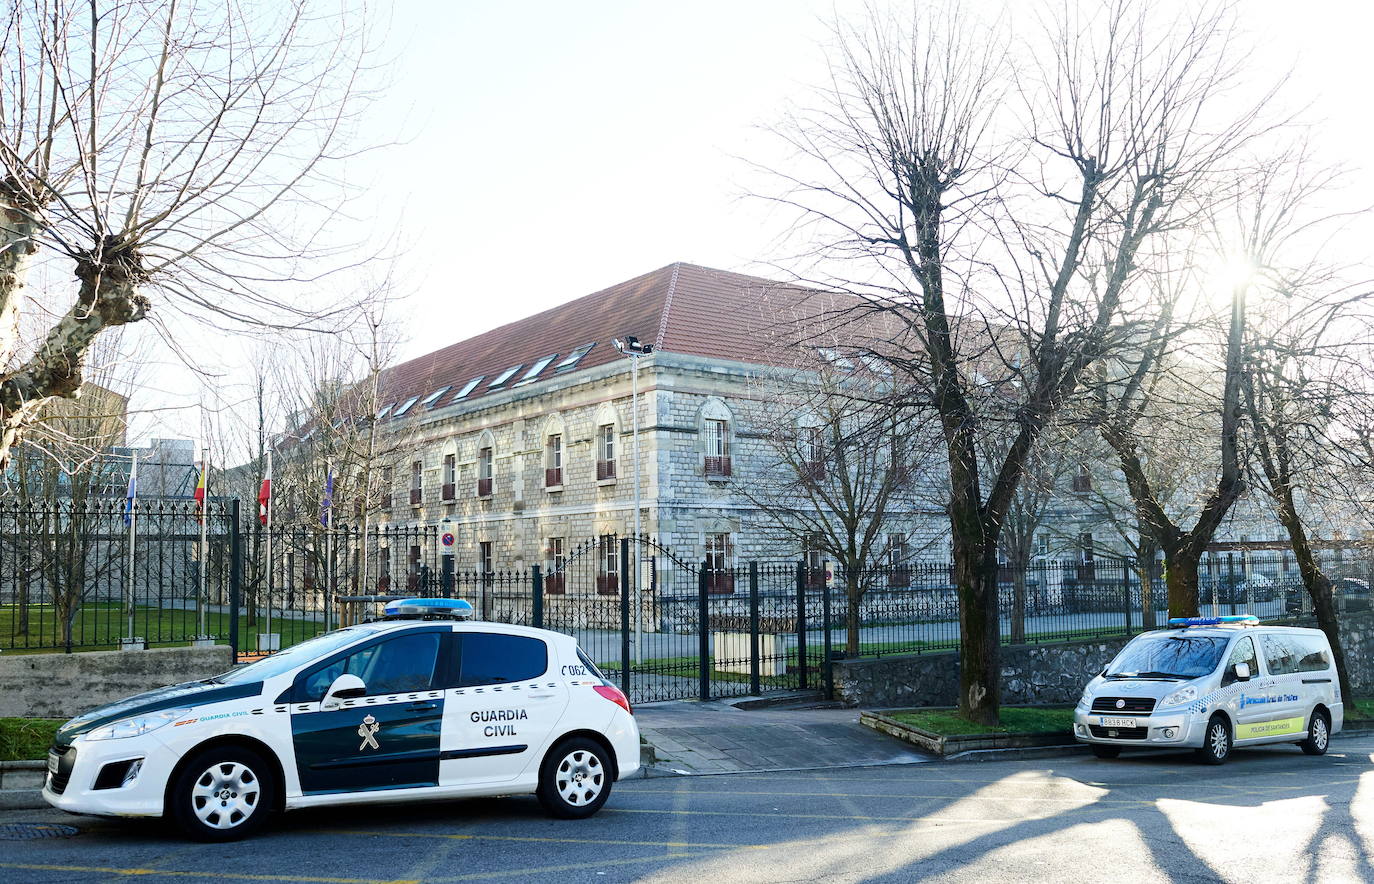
{"x": 1244, "y": 619}
{"x": 455, "y": 609}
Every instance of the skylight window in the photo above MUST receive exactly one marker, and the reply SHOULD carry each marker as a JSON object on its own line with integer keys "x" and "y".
{"x": 575, "y": 357}
{"x": 405, "y": 406}
{"x": 875, "y": 365}
{"x": 504, "y": 376}
{"x": 467, "y": 388}
{"x": 434, "y": 397}
{"x": 536, "y": 369}
{"x": 386, "y": 409}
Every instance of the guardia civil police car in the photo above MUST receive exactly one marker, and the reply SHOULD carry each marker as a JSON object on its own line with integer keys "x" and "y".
{"x": 1212, "y": 684}
{"x": 421, "y": 704}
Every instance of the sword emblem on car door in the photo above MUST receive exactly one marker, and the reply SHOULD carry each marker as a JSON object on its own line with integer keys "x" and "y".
{"x": 367, "y": 730}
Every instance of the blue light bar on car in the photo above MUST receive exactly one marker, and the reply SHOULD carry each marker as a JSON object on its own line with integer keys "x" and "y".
{"x": 455, "y": 609}
{"x": 1245, "y": 619}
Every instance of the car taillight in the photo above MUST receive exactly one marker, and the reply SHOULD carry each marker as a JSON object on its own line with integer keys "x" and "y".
{"x": 615, "y": 695}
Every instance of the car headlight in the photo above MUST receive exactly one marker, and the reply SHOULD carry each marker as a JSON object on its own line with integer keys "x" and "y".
{"x": 1087, "y": 698}
{"x": 1179, "y": 697}
{"x": 137, "y": 725}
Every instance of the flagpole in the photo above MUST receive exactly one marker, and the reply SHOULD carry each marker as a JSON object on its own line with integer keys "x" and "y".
{"x": 328, "y": 543}
{"x": 201, "y": 601}
{"x": 133, "y": 527}
{"x": 270, "y": 509}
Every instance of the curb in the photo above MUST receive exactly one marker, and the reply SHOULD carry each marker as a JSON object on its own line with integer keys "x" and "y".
{"x": 21, "y": 785}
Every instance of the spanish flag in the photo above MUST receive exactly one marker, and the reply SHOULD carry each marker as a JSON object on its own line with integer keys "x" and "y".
{"x": 199, "y": 493}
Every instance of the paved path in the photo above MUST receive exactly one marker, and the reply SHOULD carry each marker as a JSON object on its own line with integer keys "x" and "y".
{"x": 701, "y": 738}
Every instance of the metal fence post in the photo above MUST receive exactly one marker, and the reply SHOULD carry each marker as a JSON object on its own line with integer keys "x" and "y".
{"x": 827, "y": 667}
{"x": 1126, "y": 590}
{"x": 537, "y": 587}
{"x": 703, "y": 633}
{"x": 754, "y": 628}
{"x": 625, "y": 615}
{"x": 801, "y": 625}
{"x": 235, "y": 577}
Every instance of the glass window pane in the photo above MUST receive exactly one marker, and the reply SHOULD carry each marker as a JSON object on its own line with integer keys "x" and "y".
{"x": 493, "y": 658}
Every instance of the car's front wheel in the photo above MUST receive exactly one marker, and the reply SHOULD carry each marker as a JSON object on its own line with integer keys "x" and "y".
{"x": 1318, "y": 735}
{"x": 1216, "y": 746}
{"x": 575, "y": 779}
{"x": 223, "y": 794}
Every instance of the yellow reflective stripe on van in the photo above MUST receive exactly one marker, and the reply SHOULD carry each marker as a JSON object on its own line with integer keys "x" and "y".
{"x": 1270, "y": 728}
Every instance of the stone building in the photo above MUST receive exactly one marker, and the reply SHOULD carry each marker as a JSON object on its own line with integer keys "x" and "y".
{"x": 522, "y": 437}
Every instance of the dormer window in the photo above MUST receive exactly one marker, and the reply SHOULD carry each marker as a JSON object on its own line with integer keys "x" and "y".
{"x": 405, "y": 406}
{"x": 434, "y": 397}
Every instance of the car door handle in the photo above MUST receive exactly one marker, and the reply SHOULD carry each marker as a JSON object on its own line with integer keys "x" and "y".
{"x": 421, "y": 707}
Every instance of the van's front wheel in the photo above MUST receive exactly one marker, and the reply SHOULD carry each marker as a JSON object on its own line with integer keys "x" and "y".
{"x": 1216, "y": 746}
{"x": 1318, "y": 735}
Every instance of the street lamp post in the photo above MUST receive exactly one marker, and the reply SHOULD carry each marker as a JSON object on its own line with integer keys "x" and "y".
{"x": 632, "y": 348}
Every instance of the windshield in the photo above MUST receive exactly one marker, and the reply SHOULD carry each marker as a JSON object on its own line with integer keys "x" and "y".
{"x": 1174, "y": 656}
{"x": 296, "y": 655}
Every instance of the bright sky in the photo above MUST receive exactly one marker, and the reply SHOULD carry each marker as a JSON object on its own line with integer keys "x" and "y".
{"x": 553, "y": 148}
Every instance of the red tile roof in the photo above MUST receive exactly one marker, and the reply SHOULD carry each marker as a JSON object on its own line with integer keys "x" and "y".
{"x": 681, "y": 308}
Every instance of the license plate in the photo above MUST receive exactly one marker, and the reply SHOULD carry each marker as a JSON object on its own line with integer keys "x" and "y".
{"x": 1118, "y": 722}
{"x": 52, "y": 762}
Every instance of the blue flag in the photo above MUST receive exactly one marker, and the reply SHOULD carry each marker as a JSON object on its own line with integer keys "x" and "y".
{"x": 132, "y": 493}
{"x": 328, "y": 498}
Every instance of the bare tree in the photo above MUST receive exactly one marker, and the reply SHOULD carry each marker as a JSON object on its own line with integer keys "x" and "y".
{"x": 1000, "y": 212}
{"x": 840, "y": 469}
{"x": 163, "y": 148}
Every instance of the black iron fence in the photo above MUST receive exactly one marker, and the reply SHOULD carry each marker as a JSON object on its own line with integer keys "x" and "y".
{"x": 81, "y": 578}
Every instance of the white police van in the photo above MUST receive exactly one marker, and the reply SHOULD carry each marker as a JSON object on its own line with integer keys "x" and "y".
{"x": 1211, "y": 684}
{"x": 422, "y": 704}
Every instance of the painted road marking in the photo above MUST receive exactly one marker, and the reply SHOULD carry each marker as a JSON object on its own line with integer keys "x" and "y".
{"x": 463, "y": 836}
{"x": 181, "y": 873}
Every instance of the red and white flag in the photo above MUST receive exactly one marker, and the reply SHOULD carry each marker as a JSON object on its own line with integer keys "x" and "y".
{"x": 265, "y": 493}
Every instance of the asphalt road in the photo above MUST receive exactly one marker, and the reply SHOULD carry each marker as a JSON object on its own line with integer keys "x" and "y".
{"x": 1268, "y": 815}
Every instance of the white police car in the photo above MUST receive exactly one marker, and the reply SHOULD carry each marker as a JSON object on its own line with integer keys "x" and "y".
{"x": 1212, "y": 683}
{"x": 423, "y": 704}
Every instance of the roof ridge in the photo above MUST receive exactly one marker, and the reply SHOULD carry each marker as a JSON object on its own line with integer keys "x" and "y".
{"x": 667, "y": 306}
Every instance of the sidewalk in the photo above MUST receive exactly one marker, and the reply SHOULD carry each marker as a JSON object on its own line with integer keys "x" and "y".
{"x": 689, "y": 737}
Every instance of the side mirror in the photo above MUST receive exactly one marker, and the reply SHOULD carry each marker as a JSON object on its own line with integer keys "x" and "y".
{"x": 1242, "y": 672}
{"x": 345, "y": 687}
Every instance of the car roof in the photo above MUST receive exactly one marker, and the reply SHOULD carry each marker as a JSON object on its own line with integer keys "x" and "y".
{"x": 1230, "y": 630}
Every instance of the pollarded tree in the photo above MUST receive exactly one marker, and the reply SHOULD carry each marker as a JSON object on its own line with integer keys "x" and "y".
{"x": 162, "y": 149}
{"x": 997, "y": 200}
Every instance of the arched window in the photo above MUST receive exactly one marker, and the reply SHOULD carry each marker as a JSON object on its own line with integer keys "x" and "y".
{"x": 607, "y": 443}
{"x": 486, "y": 464}
{"x": 716, "y": 430}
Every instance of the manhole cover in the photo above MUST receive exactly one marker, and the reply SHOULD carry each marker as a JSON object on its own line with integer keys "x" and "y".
{"x": 31, "y": 831}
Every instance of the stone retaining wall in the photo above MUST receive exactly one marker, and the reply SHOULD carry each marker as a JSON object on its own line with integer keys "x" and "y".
{"x": 1035, "y": 674}
{"x": 64, "y": 685}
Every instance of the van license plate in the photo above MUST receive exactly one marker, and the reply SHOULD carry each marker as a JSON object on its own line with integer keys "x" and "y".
{"x": 1118, "y": 722}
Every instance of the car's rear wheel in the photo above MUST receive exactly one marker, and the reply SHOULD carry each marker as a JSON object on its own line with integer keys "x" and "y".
{"x": 223, "y": 794}
{"x": 1105, "y": 751}
{"x": 575, "y": 779}
{"x": 1216, "y": 746}
{"x": 1318, "y": 735}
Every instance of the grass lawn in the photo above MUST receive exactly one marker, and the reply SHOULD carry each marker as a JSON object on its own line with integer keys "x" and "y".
{"x": 1015, "y": 719}
{"x": 1362, "y": 709}
{"x": 26, "y": 739}
{"x": 99, "y": 626}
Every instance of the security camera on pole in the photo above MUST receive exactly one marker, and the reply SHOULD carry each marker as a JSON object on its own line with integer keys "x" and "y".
{"x": 632, "y": 348}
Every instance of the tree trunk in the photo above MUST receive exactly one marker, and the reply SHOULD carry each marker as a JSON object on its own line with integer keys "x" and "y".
{"x": 1180, "y": 579}
{"x": 1018, "y": 601}
{"x": 980, "y": 673}
{"x": 1145, "y": 571}
{"x": 855, "y": 594}
{"x": 108, "y": 297}
{"x": 18, "y": 230}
